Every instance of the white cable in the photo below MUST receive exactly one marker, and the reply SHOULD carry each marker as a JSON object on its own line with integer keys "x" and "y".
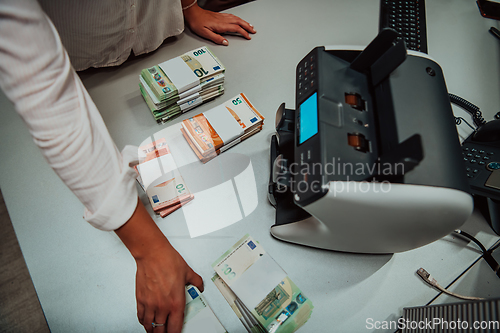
{"x": 430, "y": 280}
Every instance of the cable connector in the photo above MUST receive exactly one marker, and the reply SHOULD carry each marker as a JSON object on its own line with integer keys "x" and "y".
{"x": 427, "y": 277}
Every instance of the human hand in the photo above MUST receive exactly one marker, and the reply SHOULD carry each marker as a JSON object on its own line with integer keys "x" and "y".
{"x": 160, "y": 281}
{"x": 211, "y": 25}
{"x": 162, "y": 274}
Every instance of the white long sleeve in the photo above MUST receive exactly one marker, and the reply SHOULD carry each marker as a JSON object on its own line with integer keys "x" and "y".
{"x": 36, "y": 75}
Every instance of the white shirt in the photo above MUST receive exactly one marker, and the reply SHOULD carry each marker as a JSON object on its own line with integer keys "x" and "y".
{"x": 37, "y": 76}
{"x": 99, "y": 33}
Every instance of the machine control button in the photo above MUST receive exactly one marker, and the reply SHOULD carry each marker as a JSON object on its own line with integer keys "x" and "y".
{"x": 492, "y": 166}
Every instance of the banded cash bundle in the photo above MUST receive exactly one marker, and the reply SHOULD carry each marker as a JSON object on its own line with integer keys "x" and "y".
{"x": 160, "y": 179}
{"x": 179, "y": 84}
{"x": 198, "y": 316}
{"x": 222, "y": 127}
{"x": 259, "y": 291}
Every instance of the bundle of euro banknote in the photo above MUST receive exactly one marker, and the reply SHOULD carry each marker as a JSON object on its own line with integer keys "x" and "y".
{"x": 218, "y": 129}
{"x": 182, "y": 83}
{"x": 259, "y": 291}
{"x": 159, "y": 177}
{"x": 198, "y": 316}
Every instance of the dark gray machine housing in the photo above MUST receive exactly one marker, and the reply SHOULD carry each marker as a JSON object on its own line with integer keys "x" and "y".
{"x": 408, "y": 117}
{"x": 382, "y": 116}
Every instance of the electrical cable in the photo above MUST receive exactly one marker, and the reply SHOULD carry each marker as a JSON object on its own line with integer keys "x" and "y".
{"x": 477, "y": 115}
{"x": 495, "y": 246}
{"x": 487, "y": 254}
{"x": 431, "y": 281}
{"x": 458, "y": 121}
{"x": 472, "y": 238}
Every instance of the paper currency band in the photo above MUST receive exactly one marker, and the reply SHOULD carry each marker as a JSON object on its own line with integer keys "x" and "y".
{"x": 180, "y": 74}
{"x": 224, "y": 123}
{"x": 190, "y": 5}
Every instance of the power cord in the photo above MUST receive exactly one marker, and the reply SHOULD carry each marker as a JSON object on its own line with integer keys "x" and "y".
{"x": 487, "y": 254}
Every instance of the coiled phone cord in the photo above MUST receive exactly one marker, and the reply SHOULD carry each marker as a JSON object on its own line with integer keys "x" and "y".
{"x": 477, "y": 115}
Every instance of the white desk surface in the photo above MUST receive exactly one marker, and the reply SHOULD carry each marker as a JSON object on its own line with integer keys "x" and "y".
{"x": 85, "y": 278}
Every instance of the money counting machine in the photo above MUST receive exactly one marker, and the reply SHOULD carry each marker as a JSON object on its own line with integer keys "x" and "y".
{"x": 370, "y": 160}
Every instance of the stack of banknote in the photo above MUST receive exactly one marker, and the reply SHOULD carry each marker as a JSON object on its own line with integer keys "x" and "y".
{"x": 198, "y": 316}
{"x": 222, "y": 127}
{"x": 159, "y": 177}
{"x": 179, "y": 84}
{"x": 260, "y": 293}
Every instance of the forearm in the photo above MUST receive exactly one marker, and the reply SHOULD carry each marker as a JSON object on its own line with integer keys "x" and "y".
{"x": 186, "y": 4}
{"x": 191, "y": 11}
{"x": 141, "y": 235}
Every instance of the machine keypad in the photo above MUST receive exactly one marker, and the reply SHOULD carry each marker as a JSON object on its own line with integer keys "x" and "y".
{"x": 476, "y": 160}
{"x": 306, "y": 76}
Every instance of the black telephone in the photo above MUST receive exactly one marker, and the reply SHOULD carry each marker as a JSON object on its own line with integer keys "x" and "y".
{"x": 481, "y": 152}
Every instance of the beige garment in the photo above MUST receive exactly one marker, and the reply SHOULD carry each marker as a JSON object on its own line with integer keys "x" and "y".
{"x": 99, "y": 33}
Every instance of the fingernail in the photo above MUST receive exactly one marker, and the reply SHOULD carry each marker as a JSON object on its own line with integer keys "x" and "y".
{"x": 250, "y": 24}
{"x": 225, "y": 42}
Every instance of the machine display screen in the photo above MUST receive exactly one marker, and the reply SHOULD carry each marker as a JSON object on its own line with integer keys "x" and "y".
{"x": 308, "y": 123}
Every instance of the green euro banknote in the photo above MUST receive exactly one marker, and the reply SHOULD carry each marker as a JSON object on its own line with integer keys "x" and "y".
{"x": 155, "y": 105}
{"x": 284, "y": 309}
{"x": 248, "y": 321}
{"x": 235, "y": 261}
{"x": 262, "y": 287}
{"x": 161, "y": 86}
{"x": 198, "y": 316}
{"x": 176, "y": 110}
{"x": 201, "y": 62}
{"x": 192, "y": 101}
